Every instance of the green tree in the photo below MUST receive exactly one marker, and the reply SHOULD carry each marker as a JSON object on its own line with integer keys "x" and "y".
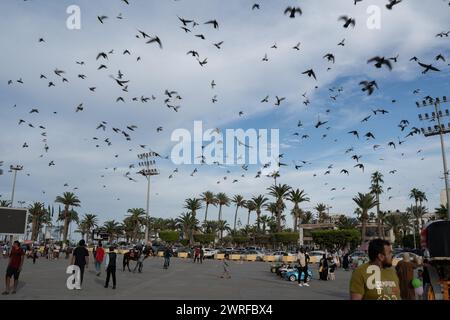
{"x": 346, "y": 223}
{"x": 441, "y": 212}
{"x": 169, "y": 236}
{"x": 321, "y": 209}
{"x": 38, "y": 216}
{"x": 297, "y": 197}
{"x": 259, "y": 203}
{"x": 137, "y": 219}
{"x": 90, "y": 221}
{"x": 193, "y": 204}
{"x": 223, "y": 226}
{"x": 239, "y": 201}
{"x": 222, "y": 200}
{"x": 68, "y": 199}
{"x": 280, "y": 193}
{"x": 112, "y": 229}
{"x": 336, "y": 239}
{"x": 208, "y": 198}
{"x": 188, "y": 223}
{"x": 250, "y": 206}
{"x": 365, "y": 202}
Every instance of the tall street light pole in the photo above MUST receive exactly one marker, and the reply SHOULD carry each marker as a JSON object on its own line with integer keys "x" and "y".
{"x": 440, "y": 130}
{"x": 15, "y": 169}
{"x": 146, "y": 162}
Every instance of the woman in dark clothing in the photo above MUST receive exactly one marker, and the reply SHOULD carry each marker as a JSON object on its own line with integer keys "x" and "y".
{"x": 323, "y": 268}
{"x": 345, "y": 262}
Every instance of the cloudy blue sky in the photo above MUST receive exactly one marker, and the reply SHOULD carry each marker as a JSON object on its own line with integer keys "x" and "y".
{"x": 242, "y": 81}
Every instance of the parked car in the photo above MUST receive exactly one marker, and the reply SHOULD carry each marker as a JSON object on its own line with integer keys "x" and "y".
{"x": 293, "y": 275}
{"x": 399, "y": 256}
{"x": 315, "y": 256}
{"x": 259, "y": 254}
{"x": 208, "y": 253}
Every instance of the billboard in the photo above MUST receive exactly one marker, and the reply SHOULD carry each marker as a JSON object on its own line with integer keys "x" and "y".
{"x": 13, "y": 221}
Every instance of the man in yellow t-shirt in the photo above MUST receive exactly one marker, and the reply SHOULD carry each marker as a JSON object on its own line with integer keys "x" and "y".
{"x": 376, "y": 280}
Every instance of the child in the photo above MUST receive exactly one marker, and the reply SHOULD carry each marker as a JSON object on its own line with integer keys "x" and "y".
{"x": 331, "y": 270}
{"x": 226, "y": 269}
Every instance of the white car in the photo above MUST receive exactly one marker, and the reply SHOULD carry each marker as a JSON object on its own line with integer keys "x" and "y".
{"x": 399, "y": 257}
{"x": 209, "y": 253}
{"x": 315, "y": 256}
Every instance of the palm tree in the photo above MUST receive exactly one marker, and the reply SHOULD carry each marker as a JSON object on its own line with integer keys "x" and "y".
{"x": 321, "y": 212}
{"x": 5, "y": 203}
{"x": 223, "y": 226}
{"x": 37, "y": 214}
{"x": 405, "y": 222}
{"x": 307, "y": 218}
{"x": 193, "y": 205}
{"x": 365, "y": 202}
{"x": 208, "y": 198}
{"x": 250, "y": 206}
{"x": 71, "y": 216}
{"x": 422, "y": 198}
{"x": 297, "y": 197}
{"x": 346, "y": 223}
{"x": 280, "y": 193}
{"x": 239, "y": 201}
{"x": 415, "y": 194}
{"x": 264, "y": 220}
{"x": 275, "y": 175}
{"x": 258, "y": 203}
{"x": 441, "y": 212}
{"x": 272, "y": 208}
{"x": 393, "y": 221}
{"x": 188, "y": 223}
{"x": 90, "y": 221}
{"x": 417, "y": 213}
{"x": 137, "y": 218}
{"x": 128, "y": 228}
{"x": 210, "y": 227}
{"x": 112, "y": 228}
{"x": 377, "y": 189}
{"x": 68, "y": 199}
{"x": 83, "y": 229}
{"x": 222, "y": 200}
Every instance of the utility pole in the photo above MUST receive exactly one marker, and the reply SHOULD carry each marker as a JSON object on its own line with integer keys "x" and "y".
{"x": 440, "y": 130}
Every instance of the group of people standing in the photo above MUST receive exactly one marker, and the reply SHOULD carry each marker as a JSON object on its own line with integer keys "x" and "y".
{"x": 80, "y": 258}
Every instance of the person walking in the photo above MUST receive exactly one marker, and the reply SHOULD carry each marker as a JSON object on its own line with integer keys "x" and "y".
{"x": 34, "y": 254}
{"x": 426, "y": 279}
{"x": 80, "y": 258}
{"x": 302, "y": 260}
{"x": 167, "y": 254}
{"x": 110, "y": 266}
{"x": 202, "y": 254}
{"x": 99, "y": 256}
{"x": 345, "y": 261}
{"x": 196, "y": 254}
{"x": 405, "y": 272}
{"x": 376, "y": 280}
{"x": 140, "y": 260}
{"x": 16, "y": 259}
{"x": 323, "y": 268}
{"x": 226, "y": 268}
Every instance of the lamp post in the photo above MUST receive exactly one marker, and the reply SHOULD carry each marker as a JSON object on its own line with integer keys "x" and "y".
{"x": 15, "y": 169}
{"x": 440, "y": 130}
{"x": 146, "y": 162}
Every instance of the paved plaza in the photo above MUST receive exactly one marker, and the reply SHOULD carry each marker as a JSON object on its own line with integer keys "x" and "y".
{"x": 184, "y": 280}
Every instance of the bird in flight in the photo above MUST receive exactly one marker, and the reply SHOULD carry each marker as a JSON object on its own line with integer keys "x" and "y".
{"x": 292, "y": 11}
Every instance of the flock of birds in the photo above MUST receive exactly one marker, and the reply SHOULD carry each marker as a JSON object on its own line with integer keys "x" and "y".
{"x": 172, "y": 99}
